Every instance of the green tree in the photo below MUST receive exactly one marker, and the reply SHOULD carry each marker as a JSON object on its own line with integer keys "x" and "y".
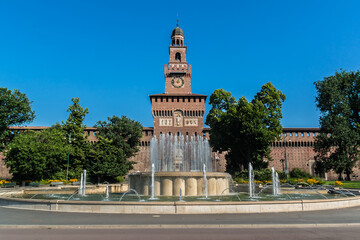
{"x": 106, "y": 161}
{"x": 15, "y": 109}
{"x": 74, "y": 129}
{"x": 245, "y": 129}
{"x": 337, "y": 145}
{"x": 123, "y": 132}
{"x": 36, "y": 155}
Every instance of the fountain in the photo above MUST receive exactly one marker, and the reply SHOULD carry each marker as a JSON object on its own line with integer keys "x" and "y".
{"x": 84, "y": 184}
{"x": 181, "y": 171}
{"x": 275, "y": 182}
{"x": 171, "y": 153}
{"x": 205, "y": 182}
{"x": 251, "y": 182}
{"x": 82, "y": 187}
{"x": 129, "y": 191}
{"x": 152, "y": 182}
{"x": 81, "y": 184}
{"x": 180, "y": 162}
{"x": 107, "y": 191}
{"x": 292, "y": 198}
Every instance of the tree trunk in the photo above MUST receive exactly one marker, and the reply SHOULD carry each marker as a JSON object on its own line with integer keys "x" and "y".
{"x": 348, "y": 178}
{"x": 340, "y": 178}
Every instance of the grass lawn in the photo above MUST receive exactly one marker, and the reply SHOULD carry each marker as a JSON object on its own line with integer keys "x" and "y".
{"x": 347, "y": 184}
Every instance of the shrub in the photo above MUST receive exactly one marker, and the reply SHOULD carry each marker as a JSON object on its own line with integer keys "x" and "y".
{"x": 282, "y": 175}
{"x": 120, "y": 179}
{"x": 263, "y": 175}
{"x": 3, "y": 181}
{"x": 298, "y": 173}
{"x": 320, "y": 181}
{"x": 312, "y": 181}
{"x": 238, "y": 179}
{"x": 338, "y": 183}
{"x": 241, "y": 175}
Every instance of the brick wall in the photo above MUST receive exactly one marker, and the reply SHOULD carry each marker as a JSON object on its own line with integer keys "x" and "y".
{"x": 299, "y": 143}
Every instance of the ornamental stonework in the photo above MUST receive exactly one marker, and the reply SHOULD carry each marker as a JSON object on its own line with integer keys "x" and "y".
{"x": 191, "y": 122}
{"x": 165, "y": 122}
{"x": 178, "y": 119}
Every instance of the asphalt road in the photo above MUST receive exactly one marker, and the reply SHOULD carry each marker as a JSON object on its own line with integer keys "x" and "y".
{"x": 348, "y": 233}
{"x": 10, "y": 217}
{"x": 41, "y": 225}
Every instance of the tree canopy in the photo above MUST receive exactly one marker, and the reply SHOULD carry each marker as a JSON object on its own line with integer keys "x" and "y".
{"x": 123, "y": 132}
{"x": 15, "y": 109}
{"x": 106, "y": 161}
{"x": 74, "y": 127}
{"x": 37, "y": 155}
{"x": 43, "y": 155}
{"x": 337, "y": 145}
{"x": 245, "y": 129}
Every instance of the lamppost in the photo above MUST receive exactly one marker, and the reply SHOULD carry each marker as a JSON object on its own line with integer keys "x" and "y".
{"x": 283, "y": 164}
{"x": 286, "y": 163}
{"x": 68, "y": 158}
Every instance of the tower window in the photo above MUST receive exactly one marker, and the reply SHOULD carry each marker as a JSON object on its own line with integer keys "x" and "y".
{"x": 178, "y": 56}
{"x": 177, "y": 42}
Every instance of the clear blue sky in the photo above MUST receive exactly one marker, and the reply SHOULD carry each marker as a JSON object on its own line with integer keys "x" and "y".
{"x": 111, "y": 54}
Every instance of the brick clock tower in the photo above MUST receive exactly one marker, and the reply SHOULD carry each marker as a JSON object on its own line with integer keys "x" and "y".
{"x": 178, "y": 110}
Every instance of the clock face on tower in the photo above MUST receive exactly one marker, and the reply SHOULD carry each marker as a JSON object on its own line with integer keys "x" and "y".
{"x": 177, "y": 81}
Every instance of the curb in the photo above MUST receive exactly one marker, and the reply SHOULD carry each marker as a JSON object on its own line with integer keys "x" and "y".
{"x": 181, "y": 226}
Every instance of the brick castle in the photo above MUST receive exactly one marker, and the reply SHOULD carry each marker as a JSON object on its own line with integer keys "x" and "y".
{"x": 179, "y": 111}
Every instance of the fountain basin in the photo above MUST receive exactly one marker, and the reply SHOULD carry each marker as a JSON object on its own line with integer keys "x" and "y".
{"x": 178, "y": 207}
{"x": 190, "y": 183}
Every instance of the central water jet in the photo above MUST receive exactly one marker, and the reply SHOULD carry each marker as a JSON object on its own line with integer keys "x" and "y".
{"x": 179, "y": 162}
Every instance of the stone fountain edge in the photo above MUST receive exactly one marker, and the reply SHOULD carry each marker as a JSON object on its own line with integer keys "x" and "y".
{"x": 179, "y": 207}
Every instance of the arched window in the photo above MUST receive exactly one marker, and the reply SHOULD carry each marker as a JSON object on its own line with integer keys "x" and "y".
{"x": 177, "y": 42}
{"x": 178, "y": 56}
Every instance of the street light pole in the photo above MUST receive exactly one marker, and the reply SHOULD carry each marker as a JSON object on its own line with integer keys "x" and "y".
{"x": 286, "y": 163}
{"x": 68, "y": 158}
